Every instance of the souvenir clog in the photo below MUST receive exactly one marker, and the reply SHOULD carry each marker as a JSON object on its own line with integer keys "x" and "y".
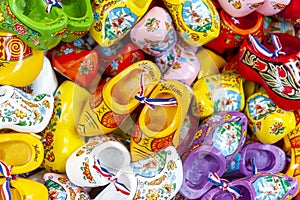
{"x": 23, "y": 152}
{"x": 60, "y": 187}
{"x": 76, "y": 62}
{"x": 260, "y": 186}
{"x": 238, "y": 8}
{"x": 157, "y": 177}
{"x": 256, "y": 157}
{"x": 159, "y": 124}
{"x": 154, "y": 33}
{"x": 24, "y": 112}
{"x": 272, "y": 64}
{"x": 272, "y": 7}
{"x": 19, "y": 63}
{"x": 180, "y": 63}
{"x": 197, "y": 21}
{"x": 114, "y": 19}
{"x": 30, "y": 21}
{"x": 235, "y": 30}
{"x": 267, "y": 121}
{"x": 291, "y": 14}
{"x": 219, "y": 138}
{"x": 115, "y": 100}
{"x": 218, "y": 92}
{"x": 60, "y": 138}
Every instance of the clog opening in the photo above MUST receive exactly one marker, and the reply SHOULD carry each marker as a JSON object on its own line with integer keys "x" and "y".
{"x": 111, "y": 158}
{"x": 161, "y": 117}
{"x": 16, "y": 153}
{"x": 263, "y": 160}
{"x": 74, "y": 8}
{"x": 198, "y": 171}
{"x": 226, "y": 195}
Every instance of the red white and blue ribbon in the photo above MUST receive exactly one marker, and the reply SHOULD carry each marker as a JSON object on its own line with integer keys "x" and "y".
{"x": 5, "y": 189}
{"x": 111, "y": 177}
{"x": 224, "y": 185}
{"x": 52, "y": 3}
{"x": 152, "y": 102}
{"x": 263, "y": 50}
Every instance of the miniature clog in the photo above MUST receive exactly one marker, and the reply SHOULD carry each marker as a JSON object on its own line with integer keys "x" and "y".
{"x": 154, "y": 33}
{"x": 271, "y": 7}
{"x": 114, "y": 101}
{"x": 30, "y": 21}
{"x": 291, "y": 14}
{"x": 219, "y": 138}
{"x": 85, "y": 166}
{"x": 20, "y": 64}
{"x": 180, "y": 63}
{"x": 260, "y": 186}
{"x": 60, "y": 138}
{"x": 235, "y": 30}
{"x": 159, "y": 124}
{"x": 259, "y": 157}
{"x": 271, "y": 64}
{"x": 113, "y": 20}
{"x": 23, "y": 152}
{"x": 77, "y": 63}
{"x": 24, "y": 112}
{"x": 218, "y": 92}
{"x": 60, "y": 187}
{"x": 197, "y": 21}
{"x": 157, "y": 177}
{"x": 238, "y": 8}
{"x": 267, "y": 121}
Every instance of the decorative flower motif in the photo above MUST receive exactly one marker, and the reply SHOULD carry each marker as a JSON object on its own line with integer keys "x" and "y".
{"x": 86, "y": 171}
{"x": 68, "y": 50}
{"x": 20, "y": 113}
{"x": 49, "y": 139}
{"x": 152, "y": 195}
{"x": 137, "y": 195}
{"x": 20, "y": 28}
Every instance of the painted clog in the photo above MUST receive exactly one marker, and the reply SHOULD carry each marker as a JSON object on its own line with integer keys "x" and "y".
{"x": 60, "y": 187}
{"x": 157, "y": 177}
{"x": 219, "y": 92}
{"x": 219, "y": 138}
{"x": 235, "y": 30}
{"x": 271, "y": 7}
{"x": 271, "y": 64}
{"x": 60, "y": 138}
{"x": 256, "y": 157}
{"x": 196, "y": 21}
{"x": 267, "y": 121}
{"x": 154, "y": 33}
{"x": 20, "y": 64}
{"x": 180, "y": 63}
{"x": 24, "y": 112}
{"x": 240, "y": 8}
{"x": 30, "y": 21}
{"x": 85, "y": 166}
{"x": 115, "y": 100}
{"x": 159, "y": 124}
{"x": 260, "y": 186}
{"x": 23, "y": 152}
{"x": 290, "y": 13}
{"x": 113, "y": 20}
{"x": 76, "y": 63}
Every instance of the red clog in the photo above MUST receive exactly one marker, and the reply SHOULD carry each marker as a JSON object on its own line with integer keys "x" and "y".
{"x": 291, "y": 13}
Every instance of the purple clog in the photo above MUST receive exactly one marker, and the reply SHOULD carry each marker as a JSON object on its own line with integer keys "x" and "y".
{"x": 260, "y": 187}
{"x": 259, "y": 157}
{"x": 219, "y": 138}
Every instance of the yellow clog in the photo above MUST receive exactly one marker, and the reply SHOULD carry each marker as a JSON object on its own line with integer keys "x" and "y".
{"x": 23, "y": 151}
{"x": 114, "y": 101}
{"x": 19, "y": 63}
{"x": 60, "y": 136}
{"x": 160, "y": 127}
{"x": 114, "y": 19}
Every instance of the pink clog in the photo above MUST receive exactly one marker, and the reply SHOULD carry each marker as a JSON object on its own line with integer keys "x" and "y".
{"x": 272, "y": 7}
{"x": 238, "y": 8}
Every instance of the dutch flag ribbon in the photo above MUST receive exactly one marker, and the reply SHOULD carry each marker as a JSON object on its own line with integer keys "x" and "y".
{"x": 5, "y": 189}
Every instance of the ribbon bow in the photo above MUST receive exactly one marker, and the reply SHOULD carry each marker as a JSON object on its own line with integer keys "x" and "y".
{"x": 263, "y": 50}
{"x": 5, "y": 189}
{"x": 52, "y": 3}
{"x": 152, "y": 102}
{"x": 224, "y": 185}
{"x": 111, "y": 177}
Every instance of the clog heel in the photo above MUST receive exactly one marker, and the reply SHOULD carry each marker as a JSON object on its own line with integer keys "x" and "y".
{"x": 113, "y": 20}
{"x": 197, "y": 21}
{"x": 159, "y": 126}
{"x": 24, "y": 152}
{"x": 115, "y": 100}
{"x": 29, "y": 20}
